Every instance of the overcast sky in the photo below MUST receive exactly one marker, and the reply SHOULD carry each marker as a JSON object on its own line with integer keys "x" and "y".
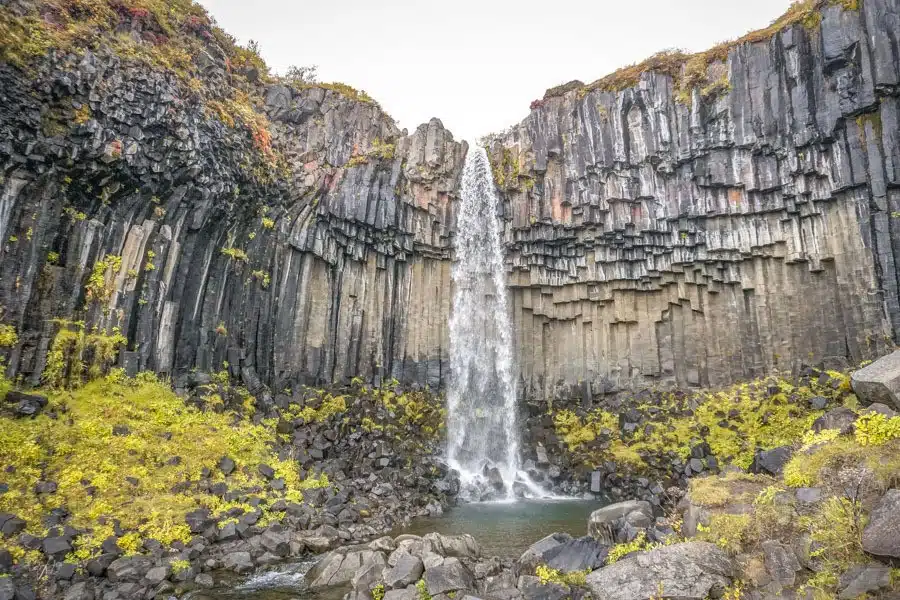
{"x": 477, "y": 64}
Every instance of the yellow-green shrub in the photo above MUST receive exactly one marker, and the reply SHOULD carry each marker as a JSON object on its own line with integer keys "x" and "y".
{"x": 619, "y": 551}
{"x": 875, "y": 429}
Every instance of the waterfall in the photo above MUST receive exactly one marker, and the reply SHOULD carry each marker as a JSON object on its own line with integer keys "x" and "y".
{"x": 482, "y": 427}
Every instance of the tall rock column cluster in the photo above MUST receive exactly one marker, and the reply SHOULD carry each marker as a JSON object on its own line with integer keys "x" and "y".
{"x": 659, "y": 235}
{"x": 335, "y": 267}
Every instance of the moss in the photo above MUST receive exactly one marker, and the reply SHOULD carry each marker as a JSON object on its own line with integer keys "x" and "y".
{"x": 377, "y": 592}
{"x": 8, "y": 336}
{"x": 77, "y": 354}
{"x": 101, "y": 282}
{"x": 729, "y": 532}
{"x": 262, "y": 277}
{"x": 104, "y": 478}
{"x": 422, "y": 590}
{"x": 874, "y": 429}
{"x": 235, "y": 254}
{"x": 836, "y": 533}
{"x": 268, "y": 223}
{"x": 716, "y": 491}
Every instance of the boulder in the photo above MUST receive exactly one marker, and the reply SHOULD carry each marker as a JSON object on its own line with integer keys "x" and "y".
{"x": 532, "y": 589}
{"x": 690, "y": 570}
{"x": 20, "y": 404}
{"x": 879, "y": 382}
{"x": 407, "y": 570}
{"x": 781, "y": 563}
{"x": 840, "y": 418}
{"x": 449, "y": 576}
{"x": 204, "y": 580}
{"x": 128, "y": 569}
{"x": 56, "y": 547}
{"x": 881, "y": 536}
{"x": 772, "y": 461}
{"x": 338, "y": 567}
{"x": 409, "y": 593}
{"x": 7, "y": 588}
{"x": 577, "y": 555}
{"x": 601, "y": 525}
{"x": 157, "y": 575}
{"x": 461, "y": 546}
{"x": 83, "y": 590}
{"x": 863, "y": 580}
{"x": 239, "y": 562}
{"x": 534, "y": 555}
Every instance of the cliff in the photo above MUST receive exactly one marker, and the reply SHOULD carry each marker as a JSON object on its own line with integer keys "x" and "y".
{"x": 693, "y": 220}
{"x": 218, "y": 215}
{"x": 698, "y": 220}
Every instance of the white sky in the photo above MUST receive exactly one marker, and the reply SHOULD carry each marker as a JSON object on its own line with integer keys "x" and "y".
{"x": 477, "y": 64}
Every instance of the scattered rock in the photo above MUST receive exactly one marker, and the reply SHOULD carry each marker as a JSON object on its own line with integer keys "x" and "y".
{"x": 532, "y": 589}
{"x": 839, "y": 418}
{"x": 83, "y": 590}
{"x": 407, "y": 570}
{"x": 781, "y": 563}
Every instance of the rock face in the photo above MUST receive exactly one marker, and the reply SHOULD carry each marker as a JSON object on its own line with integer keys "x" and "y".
{"x": 881, "y": 536}
{"x": 688, "y": 570}
{"x": 650, "y": 240}
{"x": 339, "y": 268}
{"x": 706, "y": 241}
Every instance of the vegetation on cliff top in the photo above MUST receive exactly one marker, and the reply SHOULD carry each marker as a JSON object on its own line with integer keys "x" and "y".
{"x": 705, "y": 70}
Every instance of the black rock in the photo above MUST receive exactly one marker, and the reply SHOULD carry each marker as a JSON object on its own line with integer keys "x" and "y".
{"x": 772, "y": 461}
{"x": 24, "y": 405}
{"x": 199, "y": 520}
{"x": 266, "y": 471}
{"x": 45, "y": 487}
{"x": 65, "y": 571}
{"x": 56, "y": 547}
{"x": 226, "y": 465}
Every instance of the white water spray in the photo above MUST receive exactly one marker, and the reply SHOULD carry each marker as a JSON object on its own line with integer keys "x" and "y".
{"x": 483, "y": 432}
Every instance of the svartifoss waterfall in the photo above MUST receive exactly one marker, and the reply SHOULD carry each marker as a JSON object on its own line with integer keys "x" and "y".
{"x": 483, "y": 433}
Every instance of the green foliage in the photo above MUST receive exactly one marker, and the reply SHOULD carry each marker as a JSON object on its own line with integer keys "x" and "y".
{"x": 422, "y": 590}
{"x": 714, "y": 491}
{"x": 8, "y": 336}
{"x": 132, "y": 479}
{"x": 620, "y": 551}
{"x": 101, "y": 282}
{"x": 52, "y": 258}
{"x": 875, "y": 429}
{"x": 77, "y": 353}
{"x": 262, "y": 277}
{"x": 377, "y": 592}
{"x": 836, "y": 532}
{"x": 573, "y": 579}
{"x": 729, "y": 532}
{"x": 179, "y": 566}
{"x": 268, "y": 223}
{"x": 735, "y": 422}
{"x": 235, "y": 254}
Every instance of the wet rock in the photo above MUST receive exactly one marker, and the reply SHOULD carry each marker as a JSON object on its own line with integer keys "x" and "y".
{"x": 204, "y": 580}
{"x": 601, "y": 525}
{"x": 128, "y": 569}
{"x": 881, "y": 535}
{"x": 20, "y": 404}
{"x": 278, "y": 543}
{"x": 157, "y": 575}
{"x": 691, "y": 570}
{"x": 879, "y": 382}
{"x": 56, "y": 547}
{"x": 339, "y": 566}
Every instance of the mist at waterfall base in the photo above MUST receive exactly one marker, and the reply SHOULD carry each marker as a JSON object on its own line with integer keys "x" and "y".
{"x": 482, "y": 423}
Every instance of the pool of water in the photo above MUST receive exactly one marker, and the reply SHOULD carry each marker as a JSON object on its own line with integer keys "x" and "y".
{"x": 502, "y": 529}
{"x": 508, "y": 529}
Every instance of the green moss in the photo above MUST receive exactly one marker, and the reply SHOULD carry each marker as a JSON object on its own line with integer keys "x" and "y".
{"x": 875, "y": 429}
{"x": 572, "y": 579}
{"x": 729, "y": 532}
{"x": 620, "y": 551}
{"x": 422, "y": 590}
{"x": 235, "y": 254}
{"x": 77, "y": 353}
{"x": 131, "y": 479}
{"x": 377, "y": 592}
{"x": 8, "y": 336}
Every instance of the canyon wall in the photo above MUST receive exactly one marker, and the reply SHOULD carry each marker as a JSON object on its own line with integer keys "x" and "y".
{"x": 663, "y": 235}
{"x": 670, "y": 230}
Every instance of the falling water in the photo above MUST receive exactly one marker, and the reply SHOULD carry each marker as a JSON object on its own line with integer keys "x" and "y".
{"x": 483, "y": 433}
